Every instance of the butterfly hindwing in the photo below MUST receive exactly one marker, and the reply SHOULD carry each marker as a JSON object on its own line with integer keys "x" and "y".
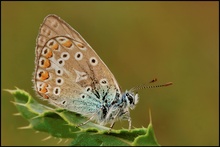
{"x": 68, "y": 71}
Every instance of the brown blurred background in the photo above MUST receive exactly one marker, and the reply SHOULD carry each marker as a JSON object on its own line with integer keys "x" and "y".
{"x": 138, "y": 41}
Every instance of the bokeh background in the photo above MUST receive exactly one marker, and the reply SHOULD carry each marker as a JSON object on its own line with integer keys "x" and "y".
{"x": 172, "y": 41}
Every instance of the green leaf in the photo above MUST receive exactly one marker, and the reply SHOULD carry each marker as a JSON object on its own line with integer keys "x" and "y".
{"x": 61, "y": 123}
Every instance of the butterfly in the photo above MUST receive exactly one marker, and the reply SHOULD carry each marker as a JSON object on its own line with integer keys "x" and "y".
{"x": 70, "y": 75}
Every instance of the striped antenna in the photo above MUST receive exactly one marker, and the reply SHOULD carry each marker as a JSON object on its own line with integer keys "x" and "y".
{"x": 143, "y": 86}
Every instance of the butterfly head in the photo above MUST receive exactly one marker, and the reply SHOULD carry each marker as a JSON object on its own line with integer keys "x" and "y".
{"x": 130, "y": 98}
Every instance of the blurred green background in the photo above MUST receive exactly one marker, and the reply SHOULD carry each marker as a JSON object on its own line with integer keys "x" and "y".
{"x": 173, "y": 41}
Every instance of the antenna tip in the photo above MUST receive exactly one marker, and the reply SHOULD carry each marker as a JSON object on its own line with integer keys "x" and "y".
{"x": 168, "y": 84}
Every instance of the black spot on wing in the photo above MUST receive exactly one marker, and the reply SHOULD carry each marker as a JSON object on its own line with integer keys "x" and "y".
{"x": 96, "y": 93}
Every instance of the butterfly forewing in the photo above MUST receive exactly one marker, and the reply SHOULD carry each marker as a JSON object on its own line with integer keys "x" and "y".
{"x": 68, "y": 71}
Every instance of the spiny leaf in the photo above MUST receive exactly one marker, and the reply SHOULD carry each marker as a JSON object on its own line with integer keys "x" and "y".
{"x": 61, "y": 123}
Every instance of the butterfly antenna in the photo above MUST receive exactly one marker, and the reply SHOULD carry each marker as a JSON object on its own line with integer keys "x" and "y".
{"x": 139, "y": 86}
{"x": 143, "y": 86}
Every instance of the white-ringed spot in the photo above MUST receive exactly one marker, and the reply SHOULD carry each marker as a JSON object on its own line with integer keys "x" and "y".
{"x": 82, "y": 96}
{"x": 88, "y": 88}
{"x": 93, "y": 61}
{"x": 43, "y": 75}
{"x": 81, "y": 46}
{"x": 46, "y": 52}
{"x": 65, "y": 55}
{"x": 43, "y": 88}
{"x": 65, "y": 42}
{"x": 59, "y": 72}
{"x": 56, "y": 91}
{"x": 63, "y": 102}
{"x": 59, "y": 81}
{"x": 103, "y": 82}
{"x": 44, "y": 63}
{"x": 78, "y": 56}
{"x": 61, "y": 40}
{"x": 61, "y": 62}
{"x": 53, "y": 44}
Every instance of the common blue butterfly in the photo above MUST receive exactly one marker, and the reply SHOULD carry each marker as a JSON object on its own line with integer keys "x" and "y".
{"x": 69, "y": 74}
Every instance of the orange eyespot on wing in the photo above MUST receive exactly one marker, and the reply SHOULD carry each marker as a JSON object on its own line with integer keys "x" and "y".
{"x": 67, "y": 44}
{"x": 45, "y": 63}
{"x": 43, "y": 75}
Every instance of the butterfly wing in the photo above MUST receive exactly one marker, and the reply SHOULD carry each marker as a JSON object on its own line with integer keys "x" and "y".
{"x": 68, "y": 71}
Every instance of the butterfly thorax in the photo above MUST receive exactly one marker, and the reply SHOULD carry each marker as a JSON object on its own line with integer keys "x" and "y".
{"x": 119, "y": 108}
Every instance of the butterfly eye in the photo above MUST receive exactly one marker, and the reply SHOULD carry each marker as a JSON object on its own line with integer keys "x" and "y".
{"x": 56, "y": 91}
{"x": 130, "y": 98}
{"x": 65, "y": 55}
{"x": 93, "y": 61}
{"x": 78, "y": 56}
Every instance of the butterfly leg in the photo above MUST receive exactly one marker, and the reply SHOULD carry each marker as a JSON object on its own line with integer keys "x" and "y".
{"x": 129, "y": 121}
{"x": 127, "y": 117}
{"x": 85, "y": 121}
{"x": 113, "y": 122}
{"x": 112, "y": 125}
